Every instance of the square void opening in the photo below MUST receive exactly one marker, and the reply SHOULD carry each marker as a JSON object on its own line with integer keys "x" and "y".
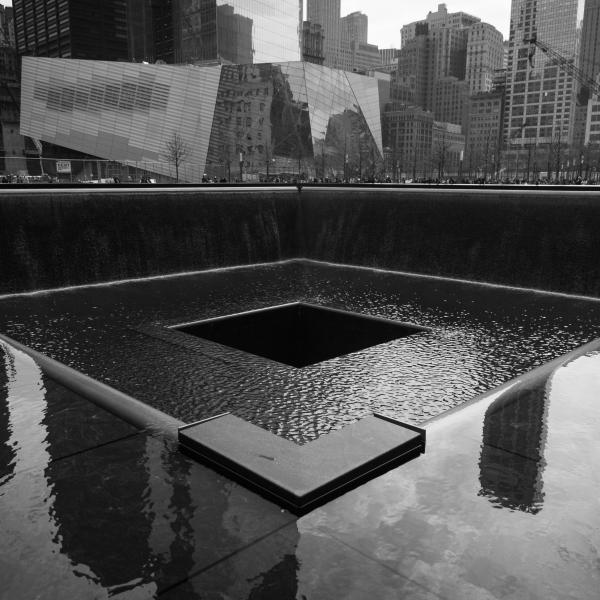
{"x": 299, "y": 334}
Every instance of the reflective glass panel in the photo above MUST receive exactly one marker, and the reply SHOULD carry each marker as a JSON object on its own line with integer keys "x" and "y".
{"x": 259, "y": 30}
{"x": 261, "y": 127}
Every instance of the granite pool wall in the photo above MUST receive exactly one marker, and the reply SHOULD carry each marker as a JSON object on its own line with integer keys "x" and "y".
{"x": 542, "y": 238}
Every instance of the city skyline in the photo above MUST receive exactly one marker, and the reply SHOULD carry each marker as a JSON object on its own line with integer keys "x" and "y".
{"x": 385, "y": 21}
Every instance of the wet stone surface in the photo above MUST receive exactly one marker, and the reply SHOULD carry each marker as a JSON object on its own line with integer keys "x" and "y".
{"x": 504, "y": 504}
{"x": 92, "y": 508}
{"x": 480, "y": 337}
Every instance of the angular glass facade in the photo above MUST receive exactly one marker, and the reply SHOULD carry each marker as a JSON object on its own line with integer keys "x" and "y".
{"x": 244, "y": 122}
{"x": 275, "y": 32}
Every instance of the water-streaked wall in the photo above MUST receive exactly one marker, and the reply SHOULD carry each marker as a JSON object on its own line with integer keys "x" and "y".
{"x": 51, "y": 240}
{"x": 537, "y": 239}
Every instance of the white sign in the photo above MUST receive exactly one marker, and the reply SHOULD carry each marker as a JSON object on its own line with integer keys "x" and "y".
{"x": 63, "y": 166}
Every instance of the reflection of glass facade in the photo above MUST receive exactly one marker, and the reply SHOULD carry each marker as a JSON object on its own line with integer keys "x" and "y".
{"x": 276, "y": 27}
{"x": 236, "y": 121}
{"x": 228, "y": 31}
{"x": 512, "y": 452}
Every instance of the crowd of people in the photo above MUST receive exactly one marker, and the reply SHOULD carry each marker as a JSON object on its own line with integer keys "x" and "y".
{"x": 37, "y": 179}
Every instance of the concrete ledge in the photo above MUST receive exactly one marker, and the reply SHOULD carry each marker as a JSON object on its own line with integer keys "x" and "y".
{"x": 129, "y": 409}
{"x": 302, "y": 477}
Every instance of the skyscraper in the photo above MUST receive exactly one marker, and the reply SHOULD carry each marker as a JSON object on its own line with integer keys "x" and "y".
{"x": 355, "y": 27}
{"x": 485, "y": 55}
{"x": 327, "y": 13}
{"x": 590, "y": 39}
{"x": 72, "y": 28}
{"x": 541, "y": 97}
{"x": 173, "y": 31}
{"x": 355, "y": 53}
{"x": 443, "y": 59}
{"x": 586, "y": 110}
{"x": 439, "y": 20}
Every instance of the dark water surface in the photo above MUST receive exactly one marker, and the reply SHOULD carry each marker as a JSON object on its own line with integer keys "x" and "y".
{"x": 480, "y": 337}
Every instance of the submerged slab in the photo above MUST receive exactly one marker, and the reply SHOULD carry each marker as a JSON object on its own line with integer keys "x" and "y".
{"x": 302, "y": 477}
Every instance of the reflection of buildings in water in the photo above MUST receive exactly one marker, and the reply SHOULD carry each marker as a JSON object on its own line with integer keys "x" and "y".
{"x": 28, "y": 515}
{"x": 7, "y": 450}
{"x": 512, "y": 452}
{"x": 91, "y": 510}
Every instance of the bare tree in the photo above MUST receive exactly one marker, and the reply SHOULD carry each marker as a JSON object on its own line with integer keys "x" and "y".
{"x": 176, "y": 152}
{"x": 440, "y": 155}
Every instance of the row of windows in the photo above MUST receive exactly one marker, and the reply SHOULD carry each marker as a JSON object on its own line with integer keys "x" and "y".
{"x": 102, "y": 92}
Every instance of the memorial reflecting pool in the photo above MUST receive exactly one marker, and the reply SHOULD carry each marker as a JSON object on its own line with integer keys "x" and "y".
{"x": 478, "y": 337}
{"x": 504, "y": 504}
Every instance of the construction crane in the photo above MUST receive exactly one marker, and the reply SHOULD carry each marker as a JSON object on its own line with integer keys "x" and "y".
{"x": 588, "y": 84}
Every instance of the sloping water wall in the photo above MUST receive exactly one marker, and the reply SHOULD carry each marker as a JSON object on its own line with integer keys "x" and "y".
{"x": 538, "y": 238}
{"x": 529, "y": 238}
{"x": 53, "y": 239}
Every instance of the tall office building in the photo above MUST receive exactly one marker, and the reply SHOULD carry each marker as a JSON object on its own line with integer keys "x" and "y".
{"x": 411, "y": 82}
{"x": 590, "y": 39}
{"x": 541, "y": 97}
{"x": 327, "y": 13}
{"x": 441, "y": 19}
{"x": 443, "y": 59}
{"x": 586, "y": 111}
{"x": 172, "y": 31}
{"x": 355, "y": 53}
{"x": 485, "y": 55}
{"x": 355, "y": 28}
{"x": 85, "y": 29}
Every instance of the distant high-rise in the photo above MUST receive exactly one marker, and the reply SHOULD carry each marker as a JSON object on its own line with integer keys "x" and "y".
{"x": 541, "y": 97}
{"x": 441, "y": 19}
{"x": 355, "y": 53}
{"x": 590, "y": 39}
{"x": 355, "y": 28}
{"x": 443, "y": 59}
{"x": 85, "y": 29}
{"x": 327, "y": 13}
{"x": 485, "y": 55}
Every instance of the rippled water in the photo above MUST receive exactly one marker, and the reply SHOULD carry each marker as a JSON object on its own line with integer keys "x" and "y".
{"x": 480, "y": 337}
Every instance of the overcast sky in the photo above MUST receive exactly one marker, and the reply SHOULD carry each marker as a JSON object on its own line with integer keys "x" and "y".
{"x": 386, "y": 17}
